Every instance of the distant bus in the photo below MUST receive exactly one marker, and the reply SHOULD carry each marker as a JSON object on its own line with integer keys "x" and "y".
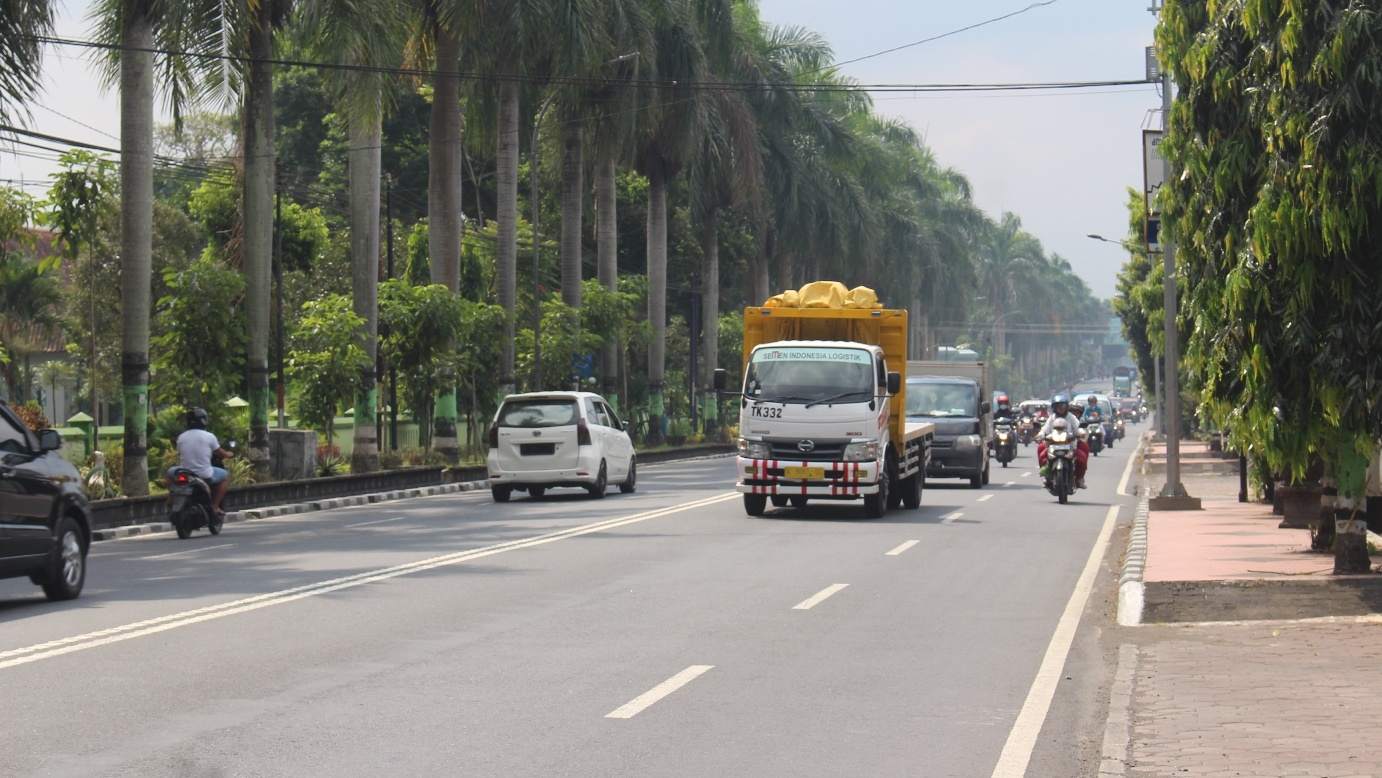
{"x": 1122, "y": 381}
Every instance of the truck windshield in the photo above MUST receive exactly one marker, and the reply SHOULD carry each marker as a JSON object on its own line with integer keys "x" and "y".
{"x": 806, "y": 375}
{"x": 942, "y": 399}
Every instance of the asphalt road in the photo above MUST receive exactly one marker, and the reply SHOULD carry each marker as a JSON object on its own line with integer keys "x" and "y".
{"x": 662, "y": 633}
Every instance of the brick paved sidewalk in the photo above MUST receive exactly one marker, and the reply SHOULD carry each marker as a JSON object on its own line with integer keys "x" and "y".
{"x": 1255, "y": 699}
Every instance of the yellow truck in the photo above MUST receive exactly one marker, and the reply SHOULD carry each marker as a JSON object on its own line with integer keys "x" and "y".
{"x": 822, "y": 409}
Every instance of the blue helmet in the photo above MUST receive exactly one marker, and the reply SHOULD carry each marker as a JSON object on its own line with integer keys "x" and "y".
{"x": 1060, "y": 398}
{"x": 1060, "y": 405}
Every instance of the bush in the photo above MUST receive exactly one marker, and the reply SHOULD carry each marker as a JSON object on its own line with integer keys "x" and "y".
{"x": 332, "y": 464}
{"x": 390, "y": 460}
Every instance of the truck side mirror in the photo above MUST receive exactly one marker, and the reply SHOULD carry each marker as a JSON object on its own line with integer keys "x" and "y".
{"x": 894, "y": 383}
{"x": 720, "y": 379}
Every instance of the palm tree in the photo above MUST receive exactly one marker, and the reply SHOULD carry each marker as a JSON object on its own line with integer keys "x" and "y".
{"x": 1006, "y": 251}
{"x": 683, "y": 31}
{"x": 138, "y": 27}
{"x": 21, "y": 54}
{"x": 370, "y": 35}
{"x": 445, "y": 161}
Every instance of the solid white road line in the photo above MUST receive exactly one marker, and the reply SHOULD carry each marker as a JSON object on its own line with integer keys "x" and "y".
{"x": 902, "y": 547}
{"x": 1010, "y": 483}
{"x": 643, "y": 701}
{"x": 187, "y": 551}
{"x": 950, "y": 518}
{"x": 985, "y": 498}
{"x": 817, "y": 598}
{"x": 1017, "y": 751}
{"x": 376, "y": 521}
{"x": 56, "y": 648}
{"x": 1127, "y": 471}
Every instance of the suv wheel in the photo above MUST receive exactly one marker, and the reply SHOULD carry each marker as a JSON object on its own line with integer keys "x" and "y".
{"x": 500, "y": 493}
{"x": 601, "y": 485}
{"x": 631, "y": 482}
{"x": 66, "y": 573}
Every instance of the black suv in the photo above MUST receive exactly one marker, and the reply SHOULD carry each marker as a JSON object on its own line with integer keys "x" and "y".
{"x": 45, "y": 524}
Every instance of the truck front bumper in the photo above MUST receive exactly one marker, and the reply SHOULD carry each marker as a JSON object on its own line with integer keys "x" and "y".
{"x": 838, "y": 480}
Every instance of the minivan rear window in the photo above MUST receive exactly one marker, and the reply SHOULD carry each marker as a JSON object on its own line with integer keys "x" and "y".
{"x": 538, "y": 413}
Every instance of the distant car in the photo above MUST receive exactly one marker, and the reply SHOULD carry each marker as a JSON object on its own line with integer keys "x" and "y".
{"x": 546, "y": 440}
{"x": 45, "y": 524}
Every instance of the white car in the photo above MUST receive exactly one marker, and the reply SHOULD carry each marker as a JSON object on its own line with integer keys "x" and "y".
{"x": 548, "y": 439}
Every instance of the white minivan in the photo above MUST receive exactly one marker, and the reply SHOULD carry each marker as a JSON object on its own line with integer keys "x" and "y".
{"x": 544, "y": 440}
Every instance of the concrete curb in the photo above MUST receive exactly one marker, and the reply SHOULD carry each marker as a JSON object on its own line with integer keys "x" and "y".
{"x": 1131, "y": 589}
{"x": 116, "y": 533}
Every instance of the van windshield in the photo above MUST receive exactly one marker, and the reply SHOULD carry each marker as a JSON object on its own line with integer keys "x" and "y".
{"x": 942, "y": 399}
{"x": 538, "y": 413}
{"x": 806, "y": 375}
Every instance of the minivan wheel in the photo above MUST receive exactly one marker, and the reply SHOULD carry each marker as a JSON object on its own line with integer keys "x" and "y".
{"x": 500, "y": 493}
{"x": 536, "y": 492}
{"x": 631, "y": 482}
{"x": 66, "y": 573}
{"x": 601, "y": 482}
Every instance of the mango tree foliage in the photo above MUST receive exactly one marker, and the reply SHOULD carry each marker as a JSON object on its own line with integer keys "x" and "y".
{"x": 1276, "y": 130}
{"x": 325, "y": 360}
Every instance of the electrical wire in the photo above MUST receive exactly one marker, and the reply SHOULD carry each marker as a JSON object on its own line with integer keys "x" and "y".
{"x": 591, "y": 82}
{"x": 934, "y": 38}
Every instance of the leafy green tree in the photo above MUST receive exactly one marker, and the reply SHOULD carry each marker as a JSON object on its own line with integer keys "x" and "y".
{"x": 21, "y": 54}
{"x": 199, "y": 347}
{"x": 29, "y": 294}
{"x": 325, "y": 360}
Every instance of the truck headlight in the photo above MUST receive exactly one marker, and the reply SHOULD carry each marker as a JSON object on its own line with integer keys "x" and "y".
{"x": 754, "y": 449}
{"x": 862, "y": 451}
{"x": 968, "y": 441}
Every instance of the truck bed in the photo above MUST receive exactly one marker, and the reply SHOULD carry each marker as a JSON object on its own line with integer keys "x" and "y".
{"x": 918, "y": 429}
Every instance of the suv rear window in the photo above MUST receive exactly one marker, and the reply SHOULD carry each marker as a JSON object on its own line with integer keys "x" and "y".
{"x": 538, "y": 413}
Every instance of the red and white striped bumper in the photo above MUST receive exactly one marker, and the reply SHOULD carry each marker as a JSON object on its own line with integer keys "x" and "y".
{"x": 839, "y": 479}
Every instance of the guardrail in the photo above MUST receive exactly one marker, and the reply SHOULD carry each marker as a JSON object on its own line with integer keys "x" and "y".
{"x": 124, "y": 511}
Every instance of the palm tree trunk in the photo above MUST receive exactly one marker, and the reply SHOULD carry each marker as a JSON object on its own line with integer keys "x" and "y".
{"x": 444, "y": 217}
{"x": 366, "y": 133}
{"x": 760, "y": 281}
{"x": 657, "y": 301}
{"x": 136, "y": 238}
{"x": 607, "y": 259}
{"x": 710, "y": 315}
{"x": 259, "y": 227}
{"x": 572, "y": 191}
{"x": 506, "y": 184}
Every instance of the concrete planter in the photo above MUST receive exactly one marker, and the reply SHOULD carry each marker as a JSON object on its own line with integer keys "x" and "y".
{"x": 1300, "y": 506}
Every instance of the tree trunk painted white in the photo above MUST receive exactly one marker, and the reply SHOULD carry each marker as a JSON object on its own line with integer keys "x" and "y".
{"x": 657, "y": 301}
{"x": 136, "y": 238}
{"x": 607, "y": 257}
{"x": 259, "y": 226}
{"x": 366, "y": 133}
{"x": 710, "y": 314}
{"x": 506, "y": 185}
{"x": 445, "y": 161}
{"x": 572, "y": 211}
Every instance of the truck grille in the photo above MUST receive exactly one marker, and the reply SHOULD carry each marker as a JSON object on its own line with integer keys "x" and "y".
{"x": 824, "y": 451}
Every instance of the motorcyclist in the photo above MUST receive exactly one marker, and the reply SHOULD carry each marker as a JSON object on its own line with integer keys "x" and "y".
{"x": 1003, "y": 408}
{"x": 1060, "y": 409}
{"x": 196, "y": 449}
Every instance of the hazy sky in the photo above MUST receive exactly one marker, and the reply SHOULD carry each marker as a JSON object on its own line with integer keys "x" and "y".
{"x": 1061, "y": 162}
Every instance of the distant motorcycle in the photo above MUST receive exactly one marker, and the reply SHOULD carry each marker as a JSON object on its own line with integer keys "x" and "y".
{"x": 1095, "y": 431}
{"x": 1004, "y": 442}
{"x": 1025, "y": 430}
{"x": 1120, "y": 429}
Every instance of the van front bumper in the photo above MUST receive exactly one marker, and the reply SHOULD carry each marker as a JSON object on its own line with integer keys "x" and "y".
{"x": 840, "y": 480}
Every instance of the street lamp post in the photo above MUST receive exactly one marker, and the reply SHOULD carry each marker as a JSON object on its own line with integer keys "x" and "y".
{"x": 1157, "y": 394}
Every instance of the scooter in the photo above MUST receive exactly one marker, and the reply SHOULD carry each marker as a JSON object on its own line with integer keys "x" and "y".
{"x": 191, "y": 495}
{"x": 1120, "y": 430}
{"x": 1060, "y": 459}
{"x": 1095, "y": 432}
{"x": 1004, "y": 442}
{"x": 1025, "y": 430}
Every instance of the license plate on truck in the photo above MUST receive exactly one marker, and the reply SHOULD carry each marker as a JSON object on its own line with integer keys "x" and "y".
{"x": 804, "y": 473}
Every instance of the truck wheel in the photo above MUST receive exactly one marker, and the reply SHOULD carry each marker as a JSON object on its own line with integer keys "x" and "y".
{"x": 875, "y": 505}
{"x": 755, "y": 504}
{"x": 986, "y": 473}
{"x": 911, "y": 491}
{"x": 976, "y": 481}
{"x": 779, "y": 500}
{"x": 895, "y": 487}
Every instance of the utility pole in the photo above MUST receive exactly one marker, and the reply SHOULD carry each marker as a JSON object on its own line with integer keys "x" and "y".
{"x": 278, "y": 298}
{"x": 1173, "y": 495}
{"x": 393, "y": 371}
{"x": 535, "y": 160}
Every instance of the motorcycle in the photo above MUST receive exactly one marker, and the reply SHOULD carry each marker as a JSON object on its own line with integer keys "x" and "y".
{"x": 1025, "y": 430}
{"x": 1004, "y": 442}
{"x": 1095, "y": 433}
{"x": 1060, "y": 459}
{"x": 1120, "y": 429}
{"x": 191, "y": 505}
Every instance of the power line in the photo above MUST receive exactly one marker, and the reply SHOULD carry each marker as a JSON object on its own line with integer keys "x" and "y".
{"x": 591, "y": 82}
{"x": 934, "y": 38}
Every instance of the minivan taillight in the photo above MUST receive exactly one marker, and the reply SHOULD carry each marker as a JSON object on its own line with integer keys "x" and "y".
{"x": 582, "y": 434}
{"x": 494, "y": 436}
